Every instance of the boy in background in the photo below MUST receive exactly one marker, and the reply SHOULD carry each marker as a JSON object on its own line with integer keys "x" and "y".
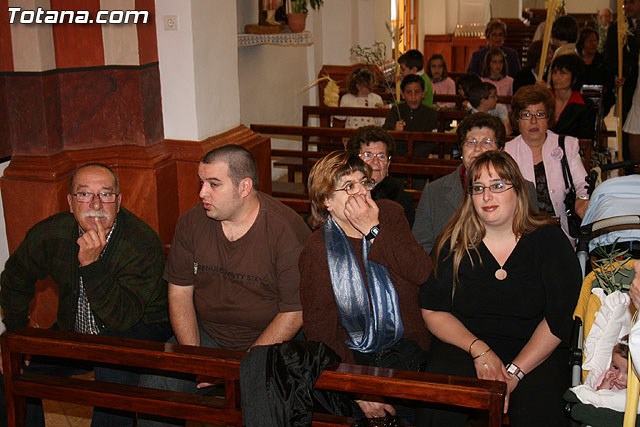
{"x": 483, "y": 97}
{"x": 412, "y": 116}
{"x": 412, "y": 62}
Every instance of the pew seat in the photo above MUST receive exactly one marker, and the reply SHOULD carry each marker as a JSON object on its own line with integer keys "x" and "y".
{"x": 207, "y": 363}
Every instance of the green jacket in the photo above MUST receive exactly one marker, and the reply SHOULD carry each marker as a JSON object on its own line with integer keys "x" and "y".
{"x": 124, "y": 286}
{"x": 428, "y": 91}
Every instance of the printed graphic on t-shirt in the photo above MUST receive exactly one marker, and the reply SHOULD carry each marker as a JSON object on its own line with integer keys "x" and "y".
{"x": 203, "y": 269}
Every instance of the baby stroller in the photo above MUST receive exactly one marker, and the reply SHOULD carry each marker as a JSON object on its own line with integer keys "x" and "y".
{"x": 613, "y": 218}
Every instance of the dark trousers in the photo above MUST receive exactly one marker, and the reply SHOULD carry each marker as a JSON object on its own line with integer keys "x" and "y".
{"x": 102, "y": 417}
{"x": 405, "y": 355}
{"x": 537, "y": 401}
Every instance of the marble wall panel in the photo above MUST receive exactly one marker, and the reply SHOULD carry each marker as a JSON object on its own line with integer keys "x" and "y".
{"x": 78, "y": 45}
{"x": 55, "y": 110}
{"x": 151, "y": 104}
{"x": 33, "y": 114}
{"x": 6, "y": 50}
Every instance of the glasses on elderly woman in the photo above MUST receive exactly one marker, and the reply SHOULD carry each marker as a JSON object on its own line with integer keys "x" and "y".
{"x": 369, "y": 156}
{"x": 484, "y": 143}
{"x": 526, "y": 115}
{"x": 497, "y": 187}
{"x": 352, "y": 188}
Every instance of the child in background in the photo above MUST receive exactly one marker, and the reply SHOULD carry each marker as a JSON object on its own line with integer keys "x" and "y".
{"x": 411, "y": 62}
{"x": 359, "y": 84}
{"x": 495, "y": 71}
{"x": 463, "y": 84}
{"x": 483, "y": 98}
{"x": 615, "y": 378}
{"x": 413, "y": 116}
{"x": 441, "y": 83}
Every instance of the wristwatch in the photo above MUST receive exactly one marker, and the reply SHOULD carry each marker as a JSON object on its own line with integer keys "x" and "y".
{"x": 373, "y": 232}
{"x": 515, "y": 371}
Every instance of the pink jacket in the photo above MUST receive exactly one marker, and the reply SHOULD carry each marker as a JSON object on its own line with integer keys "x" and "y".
{"x": 551, "y": 156}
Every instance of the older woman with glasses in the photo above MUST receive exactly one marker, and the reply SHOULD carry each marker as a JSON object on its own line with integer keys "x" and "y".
{"x": 477, "y": 133}
{"x": 361, "y": 272}
{"x": 539, "y": 154}
{"x": 375, "y": 146}
{"x": 500, "y": 300}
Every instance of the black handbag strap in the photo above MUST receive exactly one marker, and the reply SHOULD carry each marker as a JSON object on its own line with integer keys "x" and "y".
{"x": 566, "y": 172}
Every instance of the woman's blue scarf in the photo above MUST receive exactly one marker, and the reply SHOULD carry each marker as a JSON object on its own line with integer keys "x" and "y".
{"x": 372, "y": 320}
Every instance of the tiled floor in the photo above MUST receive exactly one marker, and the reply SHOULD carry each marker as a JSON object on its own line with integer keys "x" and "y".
{"x": 64, "y": 414}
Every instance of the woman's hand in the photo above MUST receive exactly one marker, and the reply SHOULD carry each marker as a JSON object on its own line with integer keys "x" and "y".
{"x": 619, "y": 82}
{"x": 400, "y": 124}
{"x": 512, "y": 383}
{"x": 489, "y": 366}
{"x": 581, "y": 207}
{"x": 375, "y": 409}
{"x": 362, "y": 212}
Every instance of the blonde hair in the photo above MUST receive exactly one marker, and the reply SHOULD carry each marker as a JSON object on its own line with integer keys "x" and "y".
{"x": 465, "y": 230}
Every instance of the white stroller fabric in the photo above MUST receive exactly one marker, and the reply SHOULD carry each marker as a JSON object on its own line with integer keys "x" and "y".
{"x": 615, "y": 197}
{"x": 612, "y": 322}
{"x": 634, "y": 347}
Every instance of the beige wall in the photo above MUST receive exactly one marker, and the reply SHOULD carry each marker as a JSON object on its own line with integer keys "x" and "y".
{"x": 575, "y": 6}
{"x": 198, "y": 68}
{"x": 505, "y": 8}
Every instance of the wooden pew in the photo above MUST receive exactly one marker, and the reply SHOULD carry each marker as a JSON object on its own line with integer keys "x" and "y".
{"x": 222, "y": 364}
{"x": 340, "y": 73}
{"x": 301, "y": 161}
{"x": 459, "y": 99}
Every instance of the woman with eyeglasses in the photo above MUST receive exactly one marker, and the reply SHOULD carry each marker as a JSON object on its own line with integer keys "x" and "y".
{"x": 500, "y": 300}
{"x": 361, "y": 272}
{"x": 538, "y": 153}
{"x": 375, "y": 146}
{"x": 477, "y": 133}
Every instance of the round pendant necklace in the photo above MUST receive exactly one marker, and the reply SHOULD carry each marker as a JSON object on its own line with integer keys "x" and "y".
{"x": 501, "y": 273}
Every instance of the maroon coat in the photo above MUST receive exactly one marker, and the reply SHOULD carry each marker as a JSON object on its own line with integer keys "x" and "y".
{"x": 394, "y": 247}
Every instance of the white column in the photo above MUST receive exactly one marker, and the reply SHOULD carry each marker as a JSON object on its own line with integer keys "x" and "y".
{"x": 198, "y": 68}
{"x": 32, "y": 44}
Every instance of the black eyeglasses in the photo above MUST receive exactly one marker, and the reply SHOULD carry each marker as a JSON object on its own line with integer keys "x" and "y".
{"x": 497, "y": 187}
{"x": 105, "y": 197}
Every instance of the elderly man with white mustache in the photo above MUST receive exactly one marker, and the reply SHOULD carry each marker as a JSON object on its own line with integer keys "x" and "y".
{"x": 108, "y": 266}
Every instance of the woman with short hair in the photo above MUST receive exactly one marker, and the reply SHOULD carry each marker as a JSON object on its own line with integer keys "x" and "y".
{"x": 573, "y": 115}
{"x": 360, "y": 273}
{"x": 537, "y": 151}
{"x": 375, "y": 146}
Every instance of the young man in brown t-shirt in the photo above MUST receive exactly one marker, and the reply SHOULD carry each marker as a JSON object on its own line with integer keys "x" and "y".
{"x": 233, "y": 267}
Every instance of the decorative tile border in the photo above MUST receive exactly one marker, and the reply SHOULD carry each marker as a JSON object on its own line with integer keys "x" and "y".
{"x": 280, "y": 39}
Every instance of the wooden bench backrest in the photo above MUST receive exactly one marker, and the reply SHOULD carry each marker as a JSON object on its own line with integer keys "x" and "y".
{"x": 332, "y": 140}
{"x": 325, "y": 114}
{"x": 224, "y": 364}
